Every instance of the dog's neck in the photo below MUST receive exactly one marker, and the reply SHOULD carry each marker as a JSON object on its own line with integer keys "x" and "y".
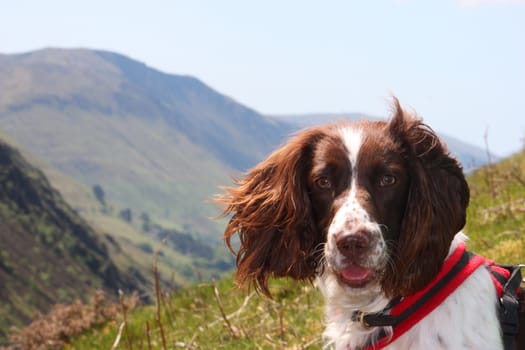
{"x": 341, "y": 303}
{"x": 340, "y": 306}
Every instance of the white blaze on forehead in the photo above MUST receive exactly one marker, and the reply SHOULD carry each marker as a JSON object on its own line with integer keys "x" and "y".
{"x": 352, "y": 139}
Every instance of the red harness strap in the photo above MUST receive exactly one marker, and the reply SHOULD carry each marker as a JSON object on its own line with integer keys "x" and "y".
{"x": 413, "y": 308}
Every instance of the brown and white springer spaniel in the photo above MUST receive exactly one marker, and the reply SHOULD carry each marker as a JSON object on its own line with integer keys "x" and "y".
{"x": 371, "y": 210}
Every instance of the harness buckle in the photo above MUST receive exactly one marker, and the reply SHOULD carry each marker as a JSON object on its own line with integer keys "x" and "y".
{"x": 360, "y": 316}
{"x": 362, "y": 320}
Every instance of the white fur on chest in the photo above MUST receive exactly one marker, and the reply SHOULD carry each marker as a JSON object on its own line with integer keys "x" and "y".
{"x": 467, "y": 319}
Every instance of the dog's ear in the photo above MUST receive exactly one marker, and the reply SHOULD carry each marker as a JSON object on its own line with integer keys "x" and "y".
{"x": 436, "y": 207}
{"x": 271, "y": 213}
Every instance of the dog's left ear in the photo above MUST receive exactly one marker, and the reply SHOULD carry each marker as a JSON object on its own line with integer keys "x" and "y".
{"x": 436, "y": 207}
{"x": 271, "y": 214}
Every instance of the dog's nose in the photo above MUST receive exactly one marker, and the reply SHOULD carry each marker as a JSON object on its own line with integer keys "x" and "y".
{"x": 354, "y": 245}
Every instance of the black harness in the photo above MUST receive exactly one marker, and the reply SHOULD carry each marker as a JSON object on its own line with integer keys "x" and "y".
{"x": 511, "y": 305}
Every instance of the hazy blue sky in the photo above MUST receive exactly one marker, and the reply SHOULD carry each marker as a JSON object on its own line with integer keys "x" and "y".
{"x": 459, "y": 63}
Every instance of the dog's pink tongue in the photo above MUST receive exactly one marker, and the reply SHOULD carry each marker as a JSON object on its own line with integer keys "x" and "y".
{"x": 354, "y": 273}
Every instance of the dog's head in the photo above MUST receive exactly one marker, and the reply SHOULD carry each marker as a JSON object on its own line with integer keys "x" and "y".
{"x": 367, "y": 202}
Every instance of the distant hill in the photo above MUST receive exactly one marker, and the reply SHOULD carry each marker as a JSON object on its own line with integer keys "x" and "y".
{"x": 48, "y": 253}
{"x": 155, "y": 142}
{"x": 470, "y": 156}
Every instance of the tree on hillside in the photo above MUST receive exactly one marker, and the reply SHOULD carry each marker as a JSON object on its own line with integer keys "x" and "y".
{"x": 126, "y": 214}
{"x": 146, "y": 222}
{"x": 98, "y": 191}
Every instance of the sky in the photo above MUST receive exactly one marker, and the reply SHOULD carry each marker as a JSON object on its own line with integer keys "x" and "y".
{"x": 460, "y": 64}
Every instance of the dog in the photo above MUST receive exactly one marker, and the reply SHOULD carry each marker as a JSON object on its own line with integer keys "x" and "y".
{"x": 372, "y": 211}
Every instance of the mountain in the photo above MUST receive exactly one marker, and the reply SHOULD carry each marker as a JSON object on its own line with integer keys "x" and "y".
{"x": 470, "y": 156}
{"x": 157, "y": 143}
{"x": 48, "y": 253}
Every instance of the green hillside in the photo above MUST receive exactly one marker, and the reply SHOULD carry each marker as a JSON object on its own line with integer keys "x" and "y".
{"x": 133, "y": 248}
{"x": 220, "y": 316}
{"x": 144, "y": 165}
{"x": 40, "y": 234}
{"x": 48, "y": 253}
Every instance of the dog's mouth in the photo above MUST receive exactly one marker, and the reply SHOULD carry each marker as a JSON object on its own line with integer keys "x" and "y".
{"x": 356, "y": 276}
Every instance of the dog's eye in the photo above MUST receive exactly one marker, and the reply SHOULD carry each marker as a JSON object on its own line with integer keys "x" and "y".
{"x": 323, "y": 183}
{"x": 387, "y": 180}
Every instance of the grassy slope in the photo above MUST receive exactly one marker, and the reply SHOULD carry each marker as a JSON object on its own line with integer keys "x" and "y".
{"x": 129, "y": 237}
{"x": 173, "y": 266}
{"x": 496, "y": 216}
{"x": 146, "y": 166}
{"x": 192, "y": 318}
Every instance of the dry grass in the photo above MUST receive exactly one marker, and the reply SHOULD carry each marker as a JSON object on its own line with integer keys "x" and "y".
{"x": 54, "y": 330}
{"x": 216, "y": 316}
